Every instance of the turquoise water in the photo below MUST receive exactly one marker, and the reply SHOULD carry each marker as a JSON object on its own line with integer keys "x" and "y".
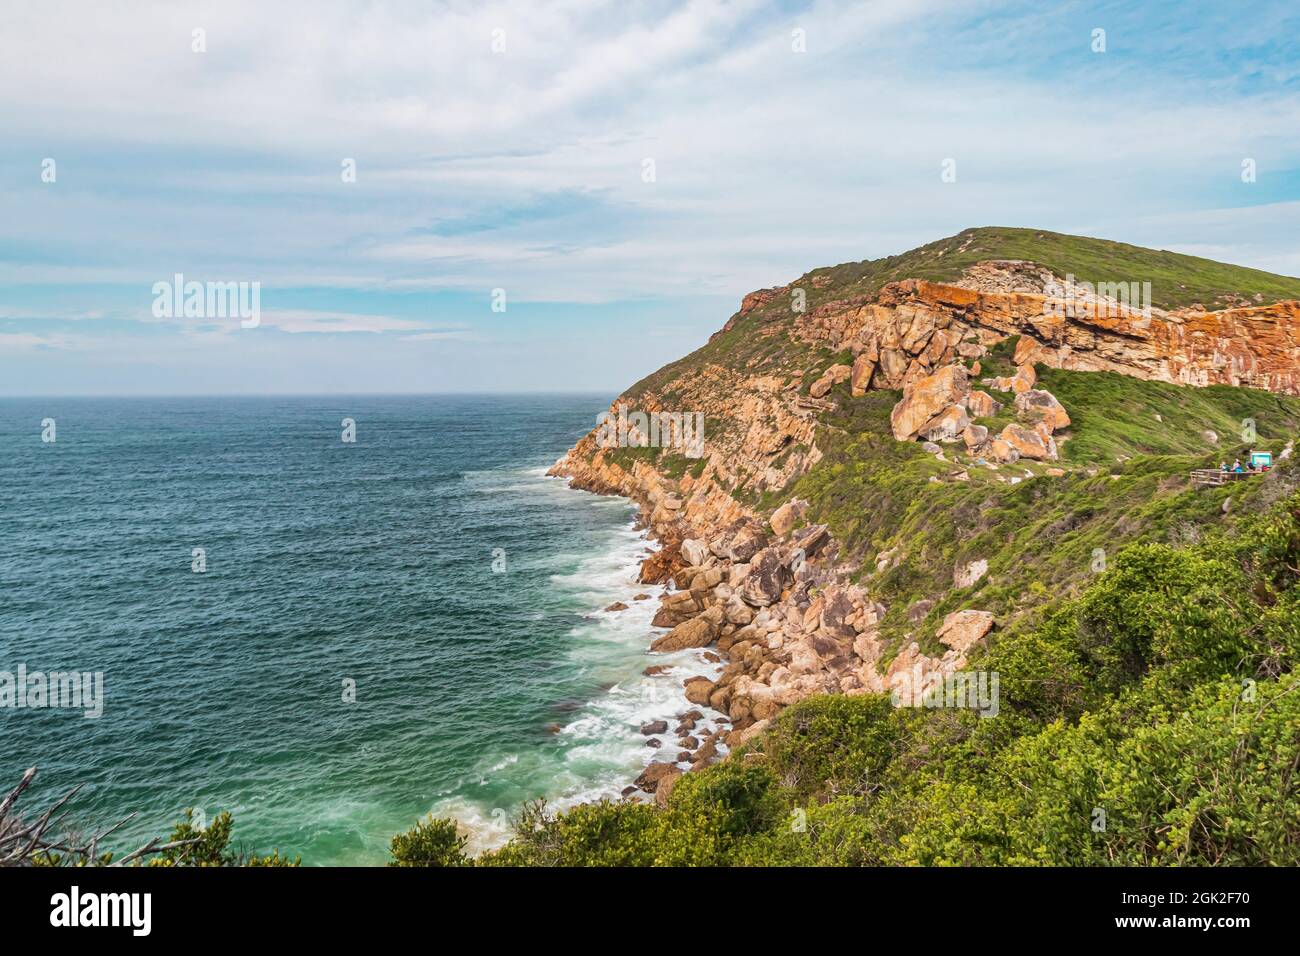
{"x": 326, "y": 562}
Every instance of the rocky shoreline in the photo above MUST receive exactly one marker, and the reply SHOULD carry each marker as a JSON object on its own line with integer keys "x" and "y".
{"x": 767, "y": 600}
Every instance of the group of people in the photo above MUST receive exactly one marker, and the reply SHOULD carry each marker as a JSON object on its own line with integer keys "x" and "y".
{"x": 1238, "y": 468}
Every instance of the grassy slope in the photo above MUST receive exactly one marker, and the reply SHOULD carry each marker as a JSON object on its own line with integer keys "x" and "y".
{"x": 1126, "y": 480}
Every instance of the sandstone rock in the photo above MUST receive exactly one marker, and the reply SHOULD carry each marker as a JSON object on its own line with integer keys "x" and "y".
{"x": 860, "y": 378}
{"x": 654, "y": 775}
{"x": 736, "y": 611}
{"x": 694, "y": 551}
{"x": 698, "y": 690}
{"x": 961, "y": 629}
{"x": 746, "y": 543}
{"x": 810, "y": 540}
{"x": 641, "y": 597}
{"x": 766, "y": 579}
{"x": 1002, "y": 452}
{"x": 1024, "y": 379}
{"x": 919, "y": 609}
{"x": 655, "y": 727}
{"x": 963, "y": 576}
{"x": 947, "y": 426}
{"x": 1040, "y": 406}
{"x": 617, "y": 606}
{"x": 926, "y": 399}
{"x": 982, "y": 404}
{"x": 664, "y": 787}
{"x": 787, "y": 516}
{"x": 974, "y": 435}
{"x": 1029, "y": 443}
{"x": 819, "y": 388}
{"x": 700, "y": 631}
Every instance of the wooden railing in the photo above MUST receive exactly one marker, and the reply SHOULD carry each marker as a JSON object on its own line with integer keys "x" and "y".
{"x": 1210, "y": 477}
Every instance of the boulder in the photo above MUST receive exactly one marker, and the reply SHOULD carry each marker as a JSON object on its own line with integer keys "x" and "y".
{"x": 982, "y": 404}
{"x": 961, "y": 629}
{"x": 698, "y": 690}
{"x": 655, "y": 727}
{"x": 653, "y": 776}
{"x": 1002, "y": 452}
{"x": 665, "y": 786}
{"x": 974, "y": 436}
{"x": 947, "y": 426}
{"x": 926, "y": 398}
{"x": 700, "y": 631}
{"x": 964, "y": 575}
{"x": 860, "y": 378}
{"x": 787, "y": 516}
{"x": 1024, "y": 379}
{"x": 617, "y": 606}
{"x": 694, "y": 551}
{"x": 1038, "y": 406}
{"x": 810, "y": 539}
{"x": 1029, "y": 443}
{"x": 746, "y": 543}
{"x": 766, "y": 579}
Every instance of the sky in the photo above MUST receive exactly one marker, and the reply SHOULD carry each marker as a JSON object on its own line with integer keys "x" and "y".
{"x": 564, "y": 196}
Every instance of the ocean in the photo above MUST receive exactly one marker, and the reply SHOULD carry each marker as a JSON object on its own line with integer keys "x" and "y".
{"x": 411, "y": 622}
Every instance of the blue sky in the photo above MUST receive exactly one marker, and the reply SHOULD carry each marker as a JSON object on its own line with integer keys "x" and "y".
{"x": 522, "y": 169}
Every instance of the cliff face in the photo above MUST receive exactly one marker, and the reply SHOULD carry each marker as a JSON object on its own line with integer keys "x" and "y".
{"x": 917, "y": 326}
{"x": 744, "y": 572}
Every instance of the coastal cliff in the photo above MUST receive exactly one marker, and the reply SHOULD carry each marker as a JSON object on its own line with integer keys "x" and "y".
{"x": 798, "y": 543}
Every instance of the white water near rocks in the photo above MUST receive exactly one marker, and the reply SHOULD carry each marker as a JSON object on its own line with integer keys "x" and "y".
{"x": 601, "y": 749}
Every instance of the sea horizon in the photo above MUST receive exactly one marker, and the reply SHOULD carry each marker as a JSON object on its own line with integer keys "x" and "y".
{"x": 325, "y": 562}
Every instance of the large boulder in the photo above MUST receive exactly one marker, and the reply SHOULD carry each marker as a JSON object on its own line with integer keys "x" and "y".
{"x": 694, "y": 551}
{"x": 698, "y": 690}
{"x": 766, "y": 579}
{"x": 947, "y": 426}
{"x": 654, "y": 775}
{"x": 926, "y": 398}
{"x": 961, "y": 629}
{"x": 974, "y": 436}
{"x": 1029, "y": 443}
{"x": 699, "y": 631}
{"x": 746, "y": 543}
{"x": 1038, "y": 406}
{"x": 982, "y": 404}
{"x": 787, "y": 516}
{"x": 860, "y": 378}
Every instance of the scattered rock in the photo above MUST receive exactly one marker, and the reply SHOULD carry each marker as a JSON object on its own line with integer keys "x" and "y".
{"x": 653, "y": 776}
{"x": 698, "y": 689}
{"x": 1029, "y": 443}
{"x": 695, "y": 552}
{"x": 655, "y": 727}
{"x": 961, "y": 629}
{"x": 766, "y": 579}
{"x": 1037, "y": 406}
{"x": 964, "y": 575}
{"x": 787, "y": 516}
{"x": 982, "y": 405}
{"x": 617, "y": 606}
